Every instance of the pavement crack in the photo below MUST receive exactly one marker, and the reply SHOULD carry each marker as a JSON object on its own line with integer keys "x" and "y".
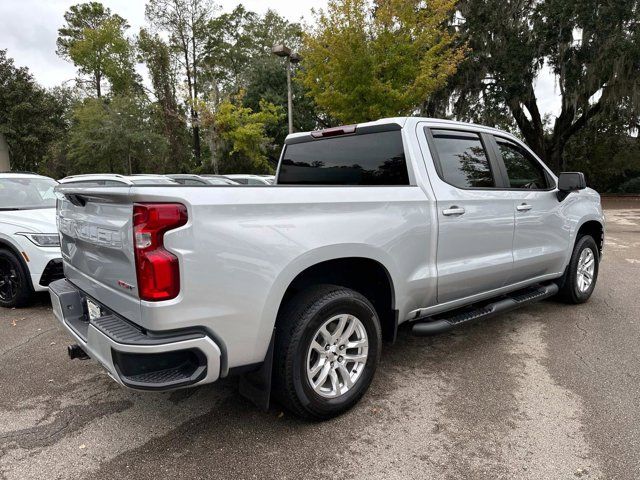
{"x": 576, "y": 351}
{"x": 583, "y": 330}
{"x": 6, "y": 352}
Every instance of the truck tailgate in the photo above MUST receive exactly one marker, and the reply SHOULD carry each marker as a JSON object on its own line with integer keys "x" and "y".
{"x": 96, "y": 240}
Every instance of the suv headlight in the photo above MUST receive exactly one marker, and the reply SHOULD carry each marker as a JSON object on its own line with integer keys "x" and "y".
{"x": 42, "y": 239}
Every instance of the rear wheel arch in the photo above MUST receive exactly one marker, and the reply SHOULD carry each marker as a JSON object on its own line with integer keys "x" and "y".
{"x": 365, "y": 275}
{"x": 256, "y": 385}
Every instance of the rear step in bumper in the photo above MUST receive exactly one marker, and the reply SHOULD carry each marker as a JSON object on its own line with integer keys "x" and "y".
{"x": 134, "y": 358}
{"x": 433, "y": 326}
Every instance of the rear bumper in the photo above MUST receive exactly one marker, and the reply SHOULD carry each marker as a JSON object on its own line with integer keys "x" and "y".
{"x": 134, "y": 357}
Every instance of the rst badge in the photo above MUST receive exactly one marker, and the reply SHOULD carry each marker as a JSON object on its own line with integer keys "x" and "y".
{"x": 125, "y": 285}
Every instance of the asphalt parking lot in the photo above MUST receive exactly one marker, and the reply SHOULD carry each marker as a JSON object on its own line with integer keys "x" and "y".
{"x": 547, "y": 392}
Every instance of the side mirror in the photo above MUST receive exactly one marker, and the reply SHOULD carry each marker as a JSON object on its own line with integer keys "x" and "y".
{"x": 570, "y": 182}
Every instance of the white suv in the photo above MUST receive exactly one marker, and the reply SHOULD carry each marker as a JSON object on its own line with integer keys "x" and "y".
{"x": 29, "y": 243}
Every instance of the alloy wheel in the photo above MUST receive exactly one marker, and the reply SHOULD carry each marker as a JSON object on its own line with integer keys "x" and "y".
{"x": 9, "y": 281}
{"x": 586, "y": 270}
{"x": 337, "y": 355}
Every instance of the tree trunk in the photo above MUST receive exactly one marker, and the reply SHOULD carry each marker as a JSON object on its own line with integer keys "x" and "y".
{"x": 98, "y": 79}
{"x": 196, "y": 137}
{"x": 211, "y": 143}
{"x": 553, "y": 157}
{"x": 194, "y": 112}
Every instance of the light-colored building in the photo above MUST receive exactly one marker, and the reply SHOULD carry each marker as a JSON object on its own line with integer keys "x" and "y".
{"x": 4, "y": 155}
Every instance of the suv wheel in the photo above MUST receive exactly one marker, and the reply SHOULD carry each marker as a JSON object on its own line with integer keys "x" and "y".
{"x": 580, "y": 279}
{"x": 15, "y": 289}
{"x": 328, "y": 344}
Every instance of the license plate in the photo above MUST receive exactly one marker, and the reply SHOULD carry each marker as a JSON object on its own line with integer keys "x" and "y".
{"x": 94, "y": 310}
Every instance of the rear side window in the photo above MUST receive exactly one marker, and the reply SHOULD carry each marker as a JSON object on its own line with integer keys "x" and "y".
{"x": 463, "y": 159}
{"x": 523, "y": 170}
{"x": 367, "y": 159}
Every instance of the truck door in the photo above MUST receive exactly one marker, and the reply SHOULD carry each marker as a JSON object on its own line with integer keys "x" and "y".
{"x": 541, "y": 240}
{"x": 475, "y": 218}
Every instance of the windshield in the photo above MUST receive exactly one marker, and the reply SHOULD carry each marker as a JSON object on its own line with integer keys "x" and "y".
{"x": 27, "y": 193}
{"x": 219, "y": 181}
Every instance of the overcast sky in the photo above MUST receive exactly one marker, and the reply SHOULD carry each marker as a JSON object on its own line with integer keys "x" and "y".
{"x": 29, "y": 28}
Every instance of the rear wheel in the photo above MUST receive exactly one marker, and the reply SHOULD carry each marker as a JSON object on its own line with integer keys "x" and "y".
{"x": 582, "y": 272}
{"x": 15, "y": 289}
{"x": 328, "y": 344}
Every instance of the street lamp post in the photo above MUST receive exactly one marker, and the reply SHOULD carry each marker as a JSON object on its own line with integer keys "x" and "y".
{"x": 292, "y": 57}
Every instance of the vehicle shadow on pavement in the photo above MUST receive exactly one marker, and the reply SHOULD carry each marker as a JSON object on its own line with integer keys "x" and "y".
{"x": 423, "y": 395}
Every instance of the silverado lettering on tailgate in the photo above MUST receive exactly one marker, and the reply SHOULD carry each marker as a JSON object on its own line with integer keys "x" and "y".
{"x": 87, "y": 232}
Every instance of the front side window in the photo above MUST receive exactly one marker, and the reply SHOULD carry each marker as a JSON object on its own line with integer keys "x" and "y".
{"x": 463, "y": 159}
{"x": 523, "y": 170}
{"x": 366, "y": 159}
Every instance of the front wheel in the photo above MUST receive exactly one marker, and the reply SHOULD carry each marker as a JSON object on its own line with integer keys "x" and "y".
{"x": 580, "y": 279}
{"x": 15, "y": 289}
{"x": 328, "y": 344}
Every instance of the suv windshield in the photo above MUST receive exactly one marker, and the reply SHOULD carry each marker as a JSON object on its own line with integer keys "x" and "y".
{"x": 25, "y": 193}
{"x": 152, "y": 181}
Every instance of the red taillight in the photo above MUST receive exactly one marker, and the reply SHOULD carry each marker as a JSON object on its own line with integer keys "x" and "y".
{"x": 157, "y": 269}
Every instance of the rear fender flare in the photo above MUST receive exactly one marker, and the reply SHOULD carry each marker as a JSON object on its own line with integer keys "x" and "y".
{"x": 303, "y": 262}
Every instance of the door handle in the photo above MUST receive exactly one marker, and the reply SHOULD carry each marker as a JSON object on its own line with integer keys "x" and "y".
{"x": 525, "y": 207}
{"x": 454, "y": 210}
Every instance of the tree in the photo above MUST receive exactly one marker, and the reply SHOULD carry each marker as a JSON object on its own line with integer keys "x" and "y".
{"x": 237, "y": 136}
{"x": 56, "y": 162}
{"x": 115, "y": 137}
{"x": 605, "y": 151}
{"x": 228, "y": 52}
{"x": 268, "y": 83}
{"x": 364, "y": 61}
{"x": 592, "y": 48}
{"x": 238, "y": 58}
{"x": 156, "y": 55}
{"x": 94, "y": 40}
{"x": 186, "y": 23}
{"x": 239, "y": 43}
{"x": 30, "y": 117}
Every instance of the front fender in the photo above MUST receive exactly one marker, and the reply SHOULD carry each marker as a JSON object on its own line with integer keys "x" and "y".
{"x": 580, "y": 208}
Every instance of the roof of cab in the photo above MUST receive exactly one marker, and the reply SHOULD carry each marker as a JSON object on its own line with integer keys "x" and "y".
{"x": 403, "y": 122}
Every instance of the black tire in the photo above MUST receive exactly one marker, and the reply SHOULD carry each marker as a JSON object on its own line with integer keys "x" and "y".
{"x": 298, "y": 322}
{"x": 569, "y": 290}
{"x": 15, "y": 285}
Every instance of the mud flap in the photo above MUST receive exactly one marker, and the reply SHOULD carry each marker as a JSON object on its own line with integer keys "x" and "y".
{"x": 256, "y": 385}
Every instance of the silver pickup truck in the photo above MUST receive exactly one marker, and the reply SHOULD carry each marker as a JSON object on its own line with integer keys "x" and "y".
{"x": 295, "y": 286}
